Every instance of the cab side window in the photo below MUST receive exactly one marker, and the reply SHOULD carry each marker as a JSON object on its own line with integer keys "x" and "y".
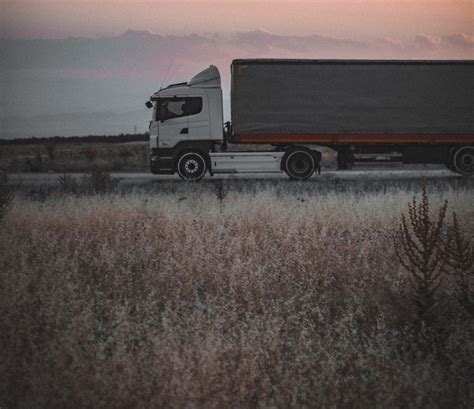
{"x": 168, "y": 108}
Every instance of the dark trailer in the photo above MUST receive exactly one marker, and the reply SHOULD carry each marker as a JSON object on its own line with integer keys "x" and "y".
{"x": 423, "y": 110}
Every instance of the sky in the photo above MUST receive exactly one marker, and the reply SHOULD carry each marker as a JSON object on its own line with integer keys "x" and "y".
{"x": 86, "y": 67}
{"x": 359, "y": 19}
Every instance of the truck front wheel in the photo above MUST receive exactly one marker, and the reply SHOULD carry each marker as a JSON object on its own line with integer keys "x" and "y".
{"x": 191, "y": 166}
{"x": 299, "y": 164}
{"x": 464, "y": 160}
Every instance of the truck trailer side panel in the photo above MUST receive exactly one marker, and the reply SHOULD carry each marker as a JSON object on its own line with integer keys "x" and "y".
{"x": 352, "y": 101}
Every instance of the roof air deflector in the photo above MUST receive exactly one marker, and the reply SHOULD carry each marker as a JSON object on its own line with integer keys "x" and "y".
{"x": 209, "y": 78}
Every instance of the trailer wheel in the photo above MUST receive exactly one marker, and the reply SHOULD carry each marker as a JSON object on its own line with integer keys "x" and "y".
{"x": 191, "y": 166}
{"x": 299, "y": 164}
{"x": 464, "y": 160}
{"x": 449, "y": 163}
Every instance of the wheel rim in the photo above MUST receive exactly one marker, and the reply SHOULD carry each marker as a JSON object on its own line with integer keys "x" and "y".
{"x": 191, "y": 166}
{"x": 464, "y": 160}
{"x": 299, "y": 165}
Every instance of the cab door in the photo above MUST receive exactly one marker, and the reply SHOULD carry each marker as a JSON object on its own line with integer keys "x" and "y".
{"x": 172, "y": 121}
{"x": 198, "y": 119}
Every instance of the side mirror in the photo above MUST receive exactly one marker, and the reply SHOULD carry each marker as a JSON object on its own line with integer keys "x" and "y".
{"x": 149, "y": 104}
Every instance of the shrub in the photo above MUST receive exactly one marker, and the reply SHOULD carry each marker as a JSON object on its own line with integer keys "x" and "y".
{"x": 419, "y": 248}
{"x": 6, "y": 197}
{"x": 96, "y": 181}
{"x": 220, "y": 189}
{"x": 36, "y": 164}
{"x": 51, "y": 150}
{"x": 90, "y": 153}
{"x": 99, "y": 181}
{"x": 69, "y": 184}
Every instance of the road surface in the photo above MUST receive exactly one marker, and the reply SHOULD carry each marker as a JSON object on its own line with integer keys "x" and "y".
{"x": 409, "y": 174}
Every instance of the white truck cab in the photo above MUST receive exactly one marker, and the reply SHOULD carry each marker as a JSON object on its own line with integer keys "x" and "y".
{"x": 188, "y": 111}
{"x": 186, "y": 116}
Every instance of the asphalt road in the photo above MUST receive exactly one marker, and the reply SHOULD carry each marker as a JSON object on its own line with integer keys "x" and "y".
{"x": 367, "y": 173}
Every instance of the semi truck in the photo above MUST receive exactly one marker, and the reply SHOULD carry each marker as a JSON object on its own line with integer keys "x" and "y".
{"x": 415, "y": 111}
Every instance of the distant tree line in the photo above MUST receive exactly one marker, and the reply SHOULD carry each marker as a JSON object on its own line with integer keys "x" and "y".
{"x": 121, "y": 138}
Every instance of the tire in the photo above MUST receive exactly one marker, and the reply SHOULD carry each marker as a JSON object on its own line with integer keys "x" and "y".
{"x": 299, "y": 164}
{"x": 449, "y": 163}
{"x": 191, "y": 166}
{"x": 463, "y": 160}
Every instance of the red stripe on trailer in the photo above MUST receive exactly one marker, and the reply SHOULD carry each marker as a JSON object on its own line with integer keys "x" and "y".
{"x": 354, "y": 138}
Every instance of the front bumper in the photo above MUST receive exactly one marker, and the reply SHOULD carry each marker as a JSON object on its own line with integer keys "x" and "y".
{"x": 161, "y": 165}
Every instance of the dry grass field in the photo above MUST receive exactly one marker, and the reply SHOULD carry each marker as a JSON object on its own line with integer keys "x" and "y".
{"x": 74, "y": 157}
{"x": 209, "y": 296}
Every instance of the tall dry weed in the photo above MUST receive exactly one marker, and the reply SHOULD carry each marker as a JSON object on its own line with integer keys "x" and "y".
{"x": 422, "y": 252}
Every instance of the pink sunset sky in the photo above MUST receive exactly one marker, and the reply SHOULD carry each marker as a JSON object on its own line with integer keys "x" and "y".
{"x": 354, "y": 19}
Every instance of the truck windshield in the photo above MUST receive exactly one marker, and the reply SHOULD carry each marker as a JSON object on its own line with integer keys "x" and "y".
{"x": 167, "y": 108}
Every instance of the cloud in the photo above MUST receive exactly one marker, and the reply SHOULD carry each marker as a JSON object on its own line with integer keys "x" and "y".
{"x": 264, "y": 41}
{"x": 426, "y": 41}
{"x": 459, "y": 40}
{"x": 139, "y": 51}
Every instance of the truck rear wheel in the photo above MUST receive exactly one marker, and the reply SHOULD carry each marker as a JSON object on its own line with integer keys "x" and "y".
{"x": 191, "y": 166}
{"x": 464, "y": 160}
{"x": 299, "y": 164}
